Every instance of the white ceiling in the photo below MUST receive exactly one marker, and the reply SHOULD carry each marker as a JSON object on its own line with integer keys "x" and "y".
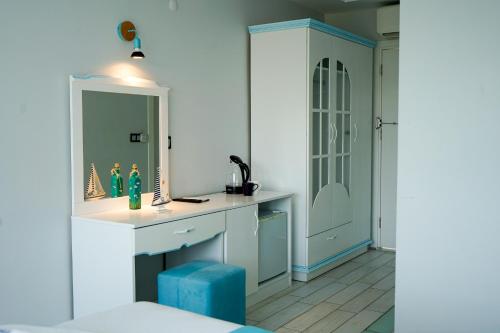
{"x": 332, "y": 6}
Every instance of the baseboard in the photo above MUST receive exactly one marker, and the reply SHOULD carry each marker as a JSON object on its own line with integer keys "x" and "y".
{"x": 306, "y": 273}
{"x": 302, "y": 276}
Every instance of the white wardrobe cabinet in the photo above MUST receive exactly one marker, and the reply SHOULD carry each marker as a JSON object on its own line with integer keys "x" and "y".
{"x": 311, "y": 111}
{"x": 241, "y": 243}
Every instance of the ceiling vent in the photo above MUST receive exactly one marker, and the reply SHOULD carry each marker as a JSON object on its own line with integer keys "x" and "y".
{"x": 388, "y": 21}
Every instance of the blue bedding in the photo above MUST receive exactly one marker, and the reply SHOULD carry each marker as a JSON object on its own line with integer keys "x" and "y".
{"x": 250, "y": 329}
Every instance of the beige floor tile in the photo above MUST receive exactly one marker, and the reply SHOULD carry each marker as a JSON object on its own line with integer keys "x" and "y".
{"x": 348, "y": 293}
{"x": 368, "y": 256}
{"x": 260, "y": 304}
{"x": 310, "y": 317}
{"x": 295, "y": 285}
{"x": 386, "y": 283}
{"x": 324, "y": 293}
{"x": 284, "y": 316}
{"x": 391, "y": 263}
{"x": 312, "y": 286}
{"x": 330, "y": 322}
{"x": 272, "y": 308}
{"x": 251, "y": 322}
{"x": 359, "y": 322}
{"x": 285, "y": 330}
{"x": 357, "y": 274}
{"x": 361, "y": 301}
{"x": 384, "y": 303}
{"x": 343, "y": 270}
{"x": 377, "y": 275}
{"x": 382, "y": 260}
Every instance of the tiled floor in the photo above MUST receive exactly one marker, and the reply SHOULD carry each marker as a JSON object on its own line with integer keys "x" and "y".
{"x": 384, "y": 324}
{"x": 348, "y": 298}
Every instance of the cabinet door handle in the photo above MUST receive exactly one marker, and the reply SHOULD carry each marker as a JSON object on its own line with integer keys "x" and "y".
{"x": 184, "y": 231}
{"x": 331, "y": 237}
{"x": 355, "y": 132}
{"x": 330, "y": 134}
{"x": 336, "y": 133}
{"x": 256, "y": 224}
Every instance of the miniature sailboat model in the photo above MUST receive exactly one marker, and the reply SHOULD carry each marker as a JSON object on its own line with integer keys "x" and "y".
{"x": 94, "y": 187}
{"x": 159, "y": 198}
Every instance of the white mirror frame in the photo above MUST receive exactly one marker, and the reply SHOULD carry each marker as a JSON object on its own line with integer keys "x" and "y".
{"x": 115, "y": 85}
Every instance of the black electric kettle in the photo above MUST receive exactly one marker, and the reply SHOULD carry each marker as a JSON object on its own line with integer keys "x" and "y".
{"x": 235, "y": 179}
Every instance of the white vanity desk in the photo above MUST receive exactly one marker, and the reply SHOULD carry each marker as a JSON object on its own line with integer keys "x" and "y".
{"x": 117, "y": 252}
{"x": 106, "y": 245}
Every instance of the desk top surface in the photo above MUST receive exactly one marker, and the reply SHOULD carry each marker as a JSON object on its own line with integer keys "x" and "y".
{"x": 175, "y": 210}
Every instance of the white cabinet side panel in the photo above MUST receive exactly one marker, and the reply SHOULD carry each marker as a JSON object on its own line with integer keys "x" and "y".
{"x": 103, "y": 266}
{"x": 279, "y": 120}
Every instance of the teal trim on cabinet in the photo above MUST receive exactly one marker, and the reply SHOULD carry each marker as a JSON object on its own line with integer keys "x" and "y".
{"x": 330, "y": 260}
{"x": 313, "y": 24}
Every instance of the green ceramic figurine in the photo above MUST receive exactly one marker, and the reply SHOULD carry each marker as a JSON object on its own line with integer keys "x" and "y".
{"x": 116, "y": 182}
{"x": 134, "y": 188}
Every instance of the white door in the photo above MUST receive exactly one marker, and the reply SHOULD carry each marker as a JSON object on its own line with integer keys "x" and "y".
{"x": 388, "y": 132}
{"x": 321, "y": 132}
{"x": 241, "y": 243}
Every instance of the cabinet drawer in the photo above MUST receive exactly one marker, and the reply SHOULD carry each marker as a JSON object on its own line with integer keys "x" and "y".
{"x": 329, "y": 243}
{"x": 174, "y": 235}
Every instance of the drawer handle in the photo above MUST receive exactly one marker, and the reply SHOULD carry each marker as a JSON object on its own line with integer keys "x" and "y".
{"x": 185, "y": 231}
{"x": 331, "y": 237}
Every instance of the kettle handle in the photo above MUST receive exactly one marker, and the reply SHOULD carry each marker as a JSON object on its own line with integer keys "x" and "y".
{"x": 245, "y": 172}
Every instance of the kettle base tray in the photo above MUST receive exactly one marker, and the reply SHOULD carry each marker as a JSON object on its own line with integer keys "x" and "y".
{"x": 234, "y": 189}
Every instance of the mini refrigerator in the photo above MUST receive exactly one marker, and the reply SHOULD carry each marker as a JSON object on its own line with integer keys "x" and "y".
{"x": 272, "y": 244}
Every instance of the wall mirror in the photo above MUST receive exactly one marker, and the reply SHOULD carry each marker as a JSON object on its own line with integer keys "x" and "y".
{"x": 116, "y": 121}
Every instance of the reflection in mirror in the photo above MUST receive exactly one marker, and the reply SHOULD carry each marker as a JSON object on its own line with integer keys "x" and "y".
{"x": 120, "y": 128}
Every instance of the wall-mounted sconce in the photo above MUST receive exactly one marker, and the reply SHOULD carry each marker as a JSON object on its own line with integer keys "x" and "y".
{"x": 127, "y": 32}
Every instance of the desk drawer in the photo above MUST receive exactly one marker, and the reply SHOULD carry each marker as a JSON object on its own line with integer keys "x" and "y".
{"x": 173, "y": 235}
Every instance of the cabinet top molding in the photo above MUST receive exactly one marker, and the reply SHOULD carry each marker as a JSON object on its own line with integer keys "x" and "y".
{"x": 312, "y": 24}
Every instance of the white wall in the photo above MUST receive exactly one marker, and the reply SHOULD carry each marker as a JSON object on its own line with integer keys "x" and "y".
{"x": 200, "y": 51}
{"x": 447, "y": 271}
{"x": 362, "y": 22}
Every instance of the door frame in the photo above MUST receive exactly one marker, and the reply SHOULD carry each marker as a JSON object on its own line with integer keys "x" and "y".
{"x": 377, "y": 112}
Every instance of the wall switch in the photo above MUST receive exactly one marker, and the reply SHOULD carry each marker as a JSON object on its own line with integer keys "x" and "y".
{"x": 144, "y": 138}
{"x": 135, "y": 137}
{"x": 139, "y": 137}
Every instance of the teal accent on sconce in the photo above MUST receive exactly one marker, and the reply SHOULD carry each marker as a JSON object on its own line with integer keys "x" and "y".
{"x": 137, "y": 43}
{"x": 137, "y": 53}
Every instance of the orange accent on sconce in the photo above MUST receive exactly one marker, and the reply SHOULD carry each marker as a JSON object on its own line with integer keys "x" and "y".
{"x": 126, "y": 31}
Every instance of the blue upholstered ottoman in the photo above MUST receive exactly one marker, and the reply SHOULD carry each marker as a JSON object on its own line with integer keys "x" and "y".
{"x": 208, "y": 288}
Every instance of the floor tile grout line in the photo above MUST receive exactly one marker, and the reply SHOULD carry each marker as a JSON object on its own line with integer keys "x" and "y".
{"x": 272, "y": 314}
{"x": 371, "y": 271}
{"x": 294, "y": 316}
{"x": 365, "y": 308}
{"x": 374, "y": 283}
{"x": 328, "y": 314}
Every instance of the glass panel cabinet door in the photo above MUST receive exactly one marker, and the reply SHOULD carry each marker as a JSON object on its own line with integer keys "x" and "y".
{"x": 322, "y": 129}
{"x": 343, "y": 126}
